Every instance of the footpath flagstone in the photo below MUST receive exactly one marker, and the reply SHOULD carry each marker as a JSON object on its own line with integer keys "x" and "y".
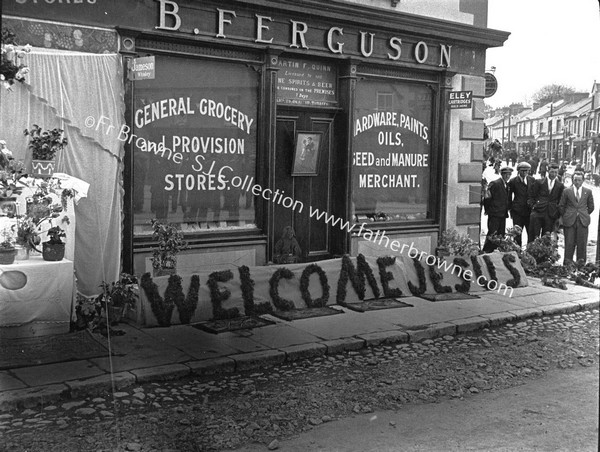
{"x": 146, "y": 355}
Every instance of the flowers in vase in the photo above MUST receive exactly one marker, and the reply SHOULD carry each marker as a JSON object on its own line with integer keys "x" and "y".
{"x": 11, "y": 70}
{"x": 11, "y": 172}
{"x": 27, "y": 232}
{"x": 8, "y": 241}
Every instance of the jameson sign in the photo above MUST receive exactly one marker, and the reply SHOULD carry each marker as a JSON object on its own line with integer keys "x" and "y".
{"x": 141, "y": 68}
{"x": 302, "y": 82}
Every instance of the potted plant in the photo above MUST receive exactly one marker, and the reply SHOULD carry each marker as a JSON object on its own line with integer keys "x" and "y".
{"x": 7, "y": 248}
{"x": 87, "y": 311}
{"x": 11, "y": 172}
{"x": 44, "y": 145}
{"x": 11, "y": 69}
{"x": 118, "y": 297}
{"x": 27, "y": 235}
{"x": 451, "y": 242}
{"x": 170, "y": 243}
{"x": 54, "y": 249}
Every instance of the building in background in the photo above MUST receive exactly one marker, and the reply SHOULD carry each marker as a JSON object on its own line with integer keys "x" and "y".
{"x": 563, "y": 130}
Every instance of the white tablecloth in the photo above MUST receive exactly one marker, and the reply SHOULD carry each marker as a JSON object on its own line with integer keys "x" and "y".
{"x": 43, "y": 305}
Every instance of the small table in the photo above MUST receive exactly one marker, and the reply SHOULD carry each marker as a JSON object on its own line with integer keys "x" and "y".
{"x": 36, "y": 297}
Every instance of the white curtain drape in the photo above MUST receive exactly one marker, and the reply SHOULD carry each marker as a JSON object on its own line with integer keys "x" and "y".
{"x": 77, "y": 92}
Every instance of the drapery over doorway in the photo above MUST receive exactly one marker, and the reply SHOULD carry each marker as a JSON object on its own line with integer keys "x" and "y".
{"x": 81, "y": 93}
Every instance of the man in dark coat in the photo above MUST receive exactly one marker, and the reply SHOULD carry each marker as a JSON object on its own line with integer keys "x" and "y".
{"x": 533, "y": 161}
{"x": 576, "y": 205}
{"x": 543, "y": 167}
{"x": 497, "y": 204}
{"x": 543, "y": 199}
{"x": 519, "y": 187}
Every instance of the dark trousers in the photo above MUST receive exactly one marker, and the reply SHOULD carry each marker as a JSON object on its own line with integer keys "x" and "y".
{"x": 496, "y": 225}
{"x": 576, "y": 237}
{"x": 523, "y": 222}
{"x": 539, "y": 224}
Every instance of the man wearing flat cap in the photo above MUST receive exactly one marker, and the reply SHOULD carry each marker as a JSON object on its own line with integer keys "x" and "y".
{"x": 543, "y": 198}
{"x": 497, "y": 204}
{"x": 519, "y": 186}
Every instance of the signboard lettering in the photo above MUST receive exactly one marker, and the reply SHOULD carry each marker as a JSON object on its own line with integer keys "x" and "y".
{"x": 302, "y": 82}
{"x": 491, "y": 84}
{"x": 460, "y": 99}
{"x": 142, "y": 68}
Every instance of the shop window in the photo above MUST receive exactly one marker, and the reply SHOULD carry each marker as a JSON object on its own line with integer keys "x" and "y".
{"x": 392, "y": 152}
{"x": 195, "y": 144}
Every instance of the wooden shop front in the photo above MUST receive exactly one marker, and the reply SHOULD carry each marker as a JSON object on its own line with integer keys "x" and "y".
{"x": 245, "y": 117}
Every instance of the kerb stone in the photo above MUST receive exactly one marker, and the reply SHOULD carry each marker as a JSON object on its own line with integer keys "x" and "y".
{"x": 97, "y": 385}
{"x": 500, "y": 318}
{"x": 253, "y": 360}
{"x": 296, "y": 352}
{"x": 161, "y": 373}
{"x": 589, "y": 304}
{"x": 433, "y": 331}
{"x": 31, "y": 397}
{"x": 384, "y": 337}
{"x": 345, "y": 344}
{"x": 522, "y": 314}
{"x": 212, "y": 366}
{"x": 561, "y": 308}
{"x": 470, "y": 324}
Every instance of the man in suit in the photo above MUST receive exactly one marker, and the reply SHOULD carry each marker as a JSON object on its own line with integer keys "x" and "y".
{"x": 497, "y": 204}
{"x": 576, "y": 205}
{"x": 543, "y": 198}
{"x": 519, "y": 186}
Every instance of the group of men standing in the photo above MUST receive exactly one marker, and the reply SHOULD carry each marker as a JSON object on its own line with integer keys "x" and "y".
{"x": 536, "y": 205}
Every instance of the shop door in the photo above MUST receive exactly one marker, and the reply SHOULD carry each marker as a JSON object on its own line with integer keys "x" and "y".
{"x": 310, "y": 192}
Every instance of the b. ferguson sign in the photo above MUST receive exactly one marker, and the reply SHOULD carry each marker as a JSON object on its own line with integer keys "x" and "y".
{"x": 298, "y": 35}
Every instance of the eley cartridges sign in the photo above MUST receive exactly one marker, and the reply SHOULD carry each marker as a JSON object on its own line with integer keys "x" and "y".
{"x": 460, "y": 99}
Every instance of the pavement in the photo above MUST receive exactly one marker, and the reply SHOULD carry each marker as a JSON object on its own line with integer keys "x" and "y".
{"x": 145, "y": 355}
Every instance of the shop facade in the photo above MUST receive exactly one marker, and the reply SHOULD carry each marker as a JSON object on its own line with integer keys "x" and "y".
{"x": 244, "y": 117}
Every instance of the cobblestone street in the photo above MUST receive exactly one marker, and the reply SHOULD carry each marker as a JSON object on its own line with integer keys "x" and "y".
{"x": 233, "y": 410}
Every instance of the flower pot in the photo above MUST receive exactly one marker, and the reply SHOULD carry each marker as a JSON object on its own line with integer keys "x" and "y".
{"x": 53, "y": 251}
{"x": 165, "y": 271}
{"x": 43, "y": 168}
{"x": 442, "y": 252}
{"x": 115, "y": 313}
{"x": 7, "y": 256}
{"x": 22, "y": 253}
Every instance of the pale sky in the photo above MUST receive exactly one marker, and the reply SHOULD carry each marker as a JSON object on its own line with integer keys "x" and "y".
{"x": 551, "y": 42}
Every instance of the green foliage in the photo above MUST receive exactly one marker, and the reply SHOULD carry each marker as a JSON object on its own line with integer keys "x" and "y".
{"x": 56, "y": 233}
{"x": 8, "y": 241}
{"x": 10, "y": 174}
{"x": 544, "y": 250}
{"x": 161, "y": 308}
{"x": 27, "y": 232}
{"x": 549, "y": 93}
{"x": 170, "y": 243}
{"x": 457, "y": 244}
{"x": 120, "y": 293}
{"x": 45, "y": 144}
{"x": 11, "y": 70}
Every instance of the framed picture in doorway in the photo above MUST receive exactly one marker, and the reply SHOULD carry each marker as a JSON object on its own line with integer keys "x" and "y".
{"x": 306, "y": 153}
